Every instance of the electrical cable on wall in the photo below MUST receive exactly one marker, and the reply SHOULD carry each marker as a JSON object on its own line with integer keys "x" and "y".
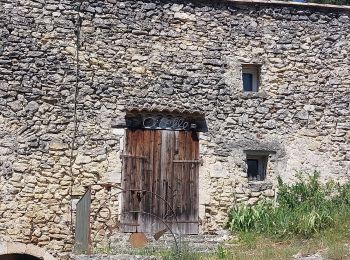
{"x": 75, "y": 118}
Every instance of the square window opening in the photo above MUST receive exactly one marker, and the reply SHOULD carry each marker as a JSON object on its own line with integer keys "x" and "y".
{"x": 250, "y": 77}
{"x": 256, "y": 167}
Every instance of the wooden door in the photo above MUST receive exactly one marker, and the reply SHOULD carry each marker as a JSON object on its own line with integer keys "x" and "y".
{"x": 161, "y": 181}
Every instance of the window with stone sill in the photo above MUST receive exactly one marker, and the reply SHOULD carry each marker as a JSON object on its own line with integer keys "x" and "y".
{"x": 250, "y": 77}
{"x": 256, "y": 166}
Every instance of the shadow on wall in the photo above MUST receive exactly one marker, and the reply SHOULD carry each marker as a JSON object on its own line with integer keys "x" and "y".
{"x": 18, "y": 257}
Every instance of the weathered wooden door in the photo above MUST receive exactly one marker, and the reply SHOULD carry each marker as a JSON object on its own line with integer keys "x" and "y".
{"x": 161, "y": 181}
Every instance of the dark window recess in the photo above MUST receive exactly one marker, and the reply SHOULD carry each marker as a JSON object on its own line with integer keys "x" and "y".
{"x": 251, "y": 77}
{"x": 253, "y": 168}
{"x": 247, "y": 82}
{"x": 256, "y": 167}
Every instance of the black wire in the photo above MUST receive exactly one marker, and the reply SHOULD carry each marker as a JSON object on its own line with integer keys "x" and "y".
{"x": 75, "y": 119}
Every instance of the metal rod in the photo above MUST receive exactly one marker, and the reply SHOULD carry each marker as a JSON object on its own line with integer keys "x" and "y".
{"x": 142, "y": 212}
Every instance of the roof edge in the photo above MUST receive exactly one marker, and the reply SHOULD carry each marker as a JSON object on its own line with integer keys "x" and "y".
{"x": 292, "y": 4}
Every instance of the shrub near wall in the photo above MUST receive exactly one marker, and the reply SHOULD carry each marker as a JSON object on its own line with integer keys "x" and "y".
{"x": 303, "y": 208}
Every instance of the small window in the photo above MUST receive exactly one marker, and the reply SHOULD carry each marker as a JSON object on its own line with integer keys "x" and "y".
{"x": 250, "y": 77}
{"x": 256, "y": 167}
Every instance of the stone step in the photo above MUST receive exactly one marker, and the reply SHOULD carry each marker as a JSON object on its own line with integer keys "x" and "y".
{"x": 119, "y": 243}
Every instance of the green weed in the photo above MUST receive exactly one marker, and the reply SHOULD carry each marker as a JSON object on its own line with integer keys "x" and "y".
{"x": 222, "y": 252}
{"x": 303, "y": 209}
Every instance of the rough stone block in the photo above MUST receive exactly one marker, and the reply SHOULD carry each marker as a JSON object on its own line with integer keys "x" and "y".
{"x": 3, "y": 248}
{"x": 252, "y": 201}
{"x": 35, "y": 251}
{"x": 58, "y": 146}
{"x": 16, "y": 248}
{"x": 48, "y": 256}
{"x": 218, "y": 170}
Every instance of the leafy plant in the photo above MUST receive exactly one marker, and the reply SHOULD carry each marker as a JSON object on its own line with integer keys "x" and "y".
{"x": 302, "y": 208}
{"x": 221, "y": 252}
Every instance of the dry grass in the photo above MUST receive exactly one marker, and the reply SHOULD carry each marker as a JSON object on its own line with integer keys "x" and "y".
{"x": 330, "y": 244}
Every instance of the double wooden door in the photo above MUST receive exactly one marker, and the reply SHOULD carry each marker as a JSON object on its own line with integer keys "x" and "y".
{"x": 160, "y": 179}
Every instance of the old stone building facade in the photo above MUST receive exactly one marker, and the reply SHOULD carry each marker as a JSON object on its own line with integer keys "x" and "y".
{"x": 72, "y": 74}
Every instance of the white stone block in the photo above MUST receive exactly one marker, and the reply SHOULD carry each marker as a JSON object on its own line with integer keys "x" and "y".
{"x": 16, "y": 248}
{"x": 35, "y": 251}
{"x": 118, "y": 131}
{"x": 47, "y": 256}
{"x": 3, "y": 248}
{"x": 218, "y": 170}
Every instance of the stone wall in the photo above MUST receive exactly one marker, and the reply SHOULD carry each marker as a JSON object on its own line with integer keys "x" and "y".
{"x": 67, "y": 70}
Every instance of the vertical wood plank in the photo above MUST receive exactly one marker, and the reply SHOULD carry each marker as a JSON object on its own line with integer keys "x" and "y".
{"x": 146, "y": 202}
{"x": 182, "y": 186}
{"x": 140, "y": 177}
{"x": 169, "y": 188}
{"x": 157, "y": 172}
{"x": 193, "y": 228}
{"x": 189, "y": 179}
{"x": 133, "y": 185}
{"x": 126, "y": 217}
{"x": 151, "y": 177}
{"x": 163, "y": 172}
{"x": 177, "y": 171}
